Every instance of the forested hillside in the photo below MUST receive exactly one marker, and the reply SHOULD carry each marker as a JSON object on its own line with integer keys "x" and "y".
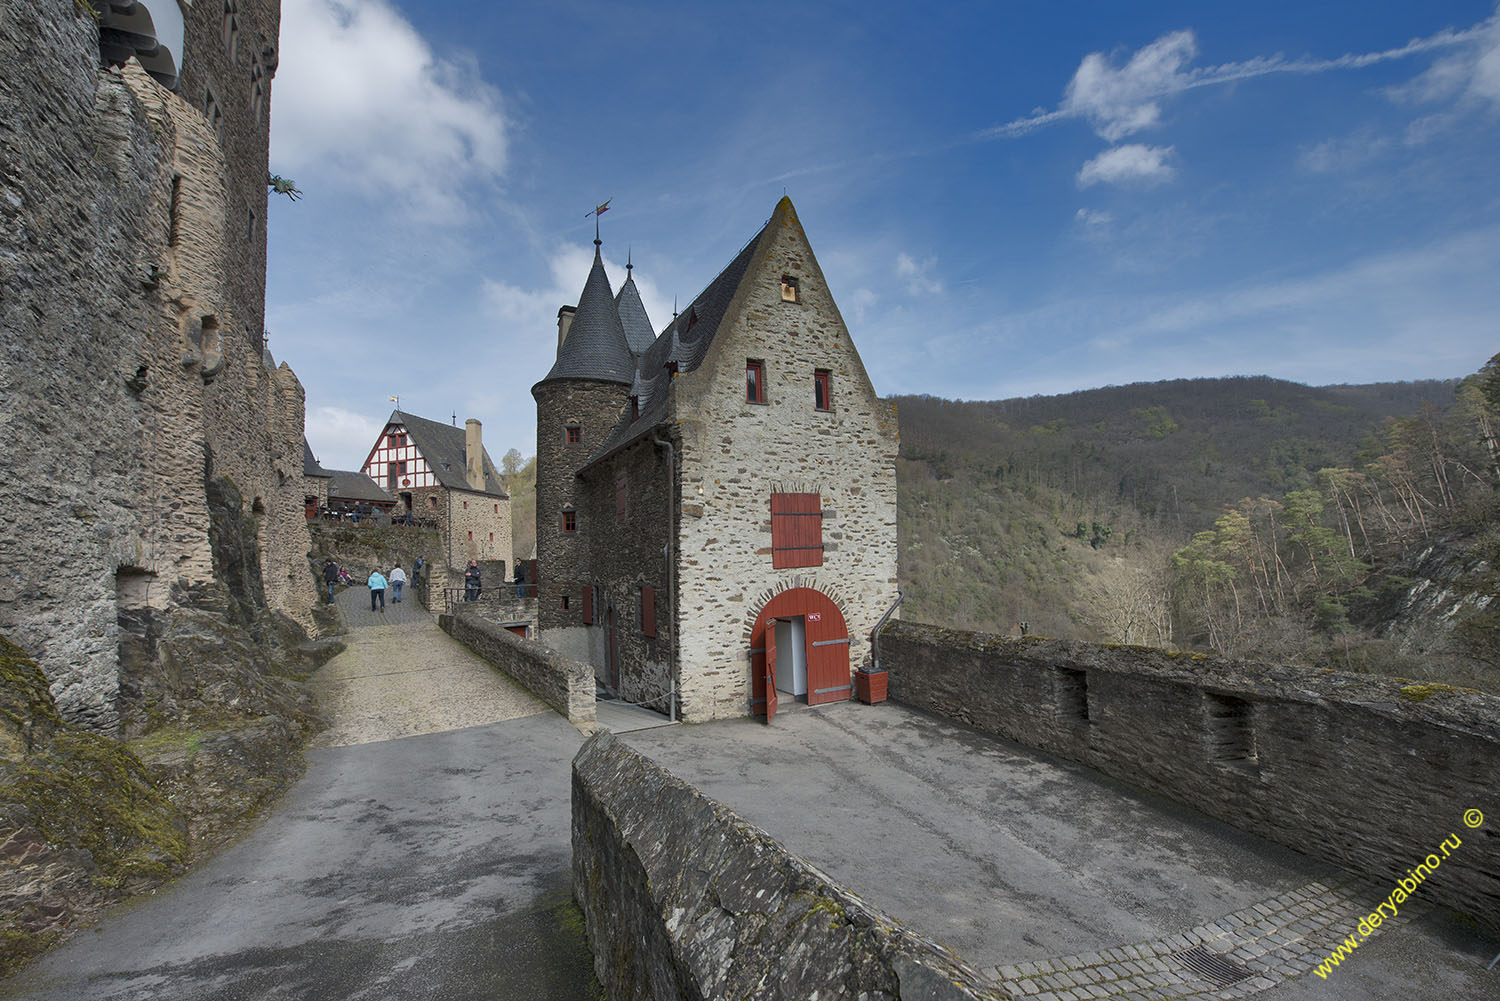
{"x": 1251, "y": 514}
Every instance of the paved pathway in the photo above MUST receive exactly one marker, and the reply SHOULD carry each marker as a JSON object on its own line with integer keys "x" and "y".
{"x": 435, "y": 866}
{"x": 1063, "y": 884}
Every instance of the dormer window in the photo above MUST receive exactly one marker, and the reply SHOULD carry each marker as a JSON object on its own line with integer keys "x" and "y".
{"x": 788, "y": 288}
{"x": 672, "y": 368}
{"x": 635, "y": 407}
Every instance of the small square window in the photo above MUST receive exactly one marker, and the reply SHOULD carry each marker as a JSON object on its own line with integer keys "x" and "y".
{"x": 823, "y": 389}
{"x": 570, "y": 521}
{"x": 574, "y": 435}
{"x": 788, "y": 288}
{"x": 755, "y": 382}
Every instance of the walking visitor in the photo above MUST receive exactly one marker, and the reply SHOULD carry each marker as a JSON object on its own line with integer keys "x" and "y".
{"x": 376, "y": 584}
{"x": 398, "y": 578}
{"x": 330, "y": 576}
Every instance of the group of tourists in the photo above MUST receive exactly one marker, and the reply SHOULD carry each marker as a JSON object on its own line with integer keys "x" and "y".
{"x": 377, "y": 582}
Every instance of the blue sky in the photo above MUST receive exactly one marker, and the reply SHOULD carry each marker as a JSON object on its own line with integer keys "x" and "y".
{"x": 1007, "y": 199}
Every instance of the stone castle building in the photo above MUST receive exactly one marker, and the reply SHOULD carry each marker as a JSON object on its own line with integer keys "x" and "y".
{"x": 716, "y": 504}
{"x": 442, "y": 475}
{"x": 154, "y": 448}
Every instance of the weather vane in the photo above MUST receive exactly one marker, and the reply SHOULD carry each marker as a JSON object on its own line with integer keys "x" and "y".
{"x": 599, "y": 210}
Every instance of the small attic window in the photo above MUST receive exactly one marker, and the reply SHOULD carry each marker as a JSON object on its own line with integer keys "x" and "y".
{"x": 788, "y": 288}
{"x": 671, "y": 368}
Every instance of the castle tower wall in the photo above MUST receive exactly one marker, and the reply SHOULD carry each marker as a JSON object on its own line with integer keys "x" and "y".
{"x": 592, "y": 407}
{"x": 133, "y": 367}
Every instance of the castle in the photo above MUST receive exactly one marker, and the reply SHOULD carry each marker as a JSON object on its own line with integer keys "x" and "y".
{"x": 716, "y": 504}
{"x": 154, "y": 447}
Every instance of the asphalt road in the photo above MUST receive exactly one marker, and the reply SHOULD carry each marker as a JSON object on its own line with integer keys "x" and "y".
{"x": 432, "y": 866}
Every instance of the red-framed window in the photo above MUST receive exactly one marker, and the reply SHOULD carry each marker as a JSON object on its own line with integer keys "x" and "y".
{"x": 648, "y": 610}
{"x": 398, "y": 440}
{"x": 393, "y": 473}
{"x": 588, "y": 604}
{"x": 497, "y": 508}
{"x": 573, "y": 434}
{"x": 796, "y": 530}
{"x": 570, "y": 521}
{"x": 822, "y": 389}
{"x": 755, "y": 381}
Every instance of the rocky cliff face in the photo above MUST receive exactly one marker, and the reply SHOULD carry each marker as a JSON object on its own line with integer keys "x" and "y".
{"x": 1446, "y": 613}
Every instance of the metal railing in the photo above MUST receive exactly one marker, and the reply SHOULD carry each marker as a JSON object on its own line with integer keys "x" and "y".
{"x": 504, "y": 593}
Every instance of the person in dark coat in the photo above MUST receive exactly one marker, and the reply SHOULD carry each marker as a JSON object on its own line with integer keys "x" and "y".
{"x": 471, "y": 582}
{"x": 330, "y": 576}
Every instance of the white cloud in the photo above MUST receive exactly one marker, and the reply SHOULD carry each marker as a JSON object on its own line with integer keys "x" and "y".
{"x": 1470, "y": 73}
{"x": 861, "y": 300}
{"x": 362, "y": 102}
{"x": 1119, "y": 102}
{"x": 1343, "y": 153}
{"x": 341, "y": 438}
{"x": 1132, "y": 163}
{"x": 918, "y": 274}
{"x": 1093, "y": 217}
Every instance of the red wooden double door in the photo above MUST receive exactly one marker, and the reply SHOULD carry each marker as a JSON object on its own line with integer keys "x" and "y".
{"x": 826, "y": 640}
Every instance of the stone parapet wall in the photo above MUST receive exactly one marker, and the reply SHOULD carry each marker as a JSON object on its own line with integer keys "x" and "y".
{"x": 683, "y": 899}
{"x": 565, "y": 685}
{"x": 1371, "y": 774}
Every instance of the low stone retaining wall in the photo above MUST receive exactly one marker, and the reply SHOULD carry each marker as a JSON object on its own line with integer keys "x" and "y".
{"x": 1371, "y": 774}
{"x": 683, "y": 899}
{"x": 564, "y": 684}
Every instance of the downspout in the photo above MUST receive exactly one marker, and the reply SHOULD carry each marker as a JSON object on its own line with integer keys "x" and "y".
{"x": 875, "y": 633}
{"x": 671, "y": 572}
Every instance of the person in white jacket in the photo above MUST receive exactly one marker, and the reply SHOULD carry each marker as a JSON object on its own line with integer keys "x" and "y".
{"x": 398, "y": 578}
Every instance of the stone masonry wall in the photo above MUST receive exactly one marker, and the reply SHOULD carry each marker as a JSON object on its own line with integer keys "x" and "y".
{"x": 624, "y": 554}
{"x": 132, "y": 258}
{"x": 683, "y": 899}
{"x": 562, "y": 557}
{"x": 565, "y": 685}
{"x": 478, "y": 529}
{"x": 1370, "y": 774}
{"x": 736, "y": 454}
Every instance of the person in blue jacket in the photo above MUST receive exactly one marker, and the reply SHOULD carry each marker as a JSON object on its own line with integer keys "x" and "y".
{"x": 376, "y": 584}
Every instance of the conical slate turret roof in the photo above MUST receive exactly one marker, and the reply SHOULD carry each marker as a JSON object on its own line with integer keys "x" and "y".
{"x": 638, "y": 332}
{"x": 596, "y": 346}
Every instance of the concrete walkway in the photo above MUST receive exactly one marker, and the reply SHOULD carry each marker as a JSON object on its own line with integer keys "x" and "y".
{"x": 1066, "y": 885}
{"x": 434, "y": 866}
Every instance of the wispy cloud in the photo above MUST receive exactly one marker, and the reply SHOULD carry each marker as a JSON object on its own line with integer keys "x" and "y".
{"x": 1131, "y": 164}
{"x": 919, "y": 274}
{"x": 364, "y": 104}
{"x": 1119, "y": 100}
{"x": 1093, "y": 218}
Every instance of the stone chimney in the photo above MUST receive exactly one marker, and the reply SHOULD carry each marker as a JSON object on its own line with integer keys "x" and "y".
{"x": 473, "y": 454}
{"x": 564, "y": 321}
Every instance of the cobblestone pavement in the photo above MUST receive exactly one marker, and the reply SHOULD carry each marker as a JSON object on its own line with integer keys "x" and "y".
{"x": 1255, "y": 948}
{"x": 402, "y": 676}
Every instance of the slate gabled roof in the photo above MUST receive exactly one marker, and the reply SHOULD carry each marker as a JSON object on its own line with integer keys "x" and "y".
{"x": 596, "y": 346}
{"x": 638, "y": 332}
{"x": 442, "y": 445}
{"x": 686, "y": 341}
{"x": 347, "y": 484}
{"x": 310, "y": 466}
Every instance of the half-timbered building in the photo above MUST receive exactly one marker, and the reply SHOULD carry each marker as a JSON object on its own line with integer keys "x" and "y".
{"x": 442, "y": 476}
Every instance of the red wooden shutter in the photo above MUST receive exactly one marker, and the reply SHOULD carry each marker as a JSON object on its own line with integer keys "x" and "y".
{"x": 648, "y": 611}
{"x": 796, "y": 530}
{"x": 588, "y": 604}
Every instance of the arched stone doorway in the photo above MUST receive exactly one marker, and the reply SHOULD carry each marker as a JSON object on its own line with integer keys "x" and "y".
{"x": 820, "y": 630}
